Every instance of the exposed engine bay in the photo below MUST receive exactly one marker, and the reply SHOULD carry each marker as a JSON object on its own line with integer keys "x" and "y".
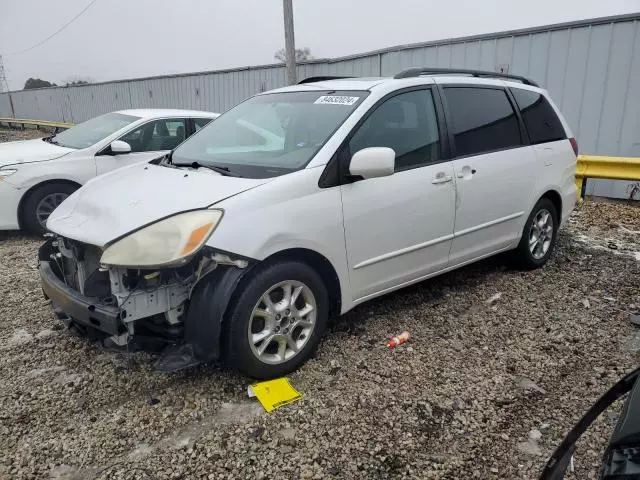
{"x": 119, "y": 306}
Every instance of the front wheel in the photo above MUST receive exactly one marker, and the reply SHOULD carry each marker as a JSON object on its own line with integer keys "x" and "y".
{"x": 539, "y": 236}
{"x": 276, "y": 320}
{"x": 41, "y": 202}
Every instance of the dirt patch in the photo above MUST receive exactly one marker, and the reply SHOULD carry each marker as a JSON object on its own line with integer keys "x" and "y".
{"x": 13, "y": 134}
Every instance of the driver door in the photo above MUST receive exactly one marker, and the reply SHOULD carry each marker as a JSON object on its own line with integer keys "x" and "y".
{"x": 147, "y": 142}
{"x": 399, "y": 229}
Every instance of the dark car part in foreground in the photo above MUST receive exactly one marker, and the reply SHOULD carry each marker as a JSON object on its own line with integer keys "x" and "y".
{"x": 621, "y": 459}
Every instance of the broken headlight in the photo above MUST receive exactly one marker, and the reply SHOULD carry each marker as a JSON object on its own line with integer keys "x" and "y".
{"x": 165, "y": 243}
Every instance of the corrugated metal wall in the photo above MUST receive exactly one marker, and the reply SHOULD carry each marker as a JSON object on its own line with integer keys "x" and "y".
{"x": 591, "y": 68}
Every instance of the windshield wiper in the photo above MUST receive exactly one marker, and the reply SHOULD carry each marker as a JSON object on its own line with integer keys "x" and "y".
{"x": 216, "y": 168}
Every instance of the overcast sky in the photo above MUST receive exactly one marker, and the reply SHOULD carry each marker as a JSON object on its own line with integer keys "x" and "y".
{"x": 133, "y": 38}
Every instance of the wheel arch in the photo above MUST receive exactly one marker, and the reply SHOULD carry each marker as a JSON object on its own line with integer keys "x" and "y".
{"x": 320, "y": 264}
{"x": 31, "y": 189}
{"x": 556, "y": 199}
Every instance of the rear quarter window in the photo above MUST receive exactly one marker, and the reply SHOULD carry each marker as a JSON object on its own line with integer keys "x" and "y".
{"x": 540, "y": 119}
{"x": 483, "y": 120}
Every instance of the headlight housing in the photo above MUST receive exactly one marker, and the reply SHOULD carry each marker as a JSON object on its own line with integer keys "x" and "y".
{"x": 5, "y": 173}
{"x": 165, "y": 243}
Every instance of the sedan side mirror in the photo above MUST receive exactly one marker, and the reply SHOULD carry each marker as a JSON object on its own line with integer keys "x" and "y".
{"x": 373, "y": 162}
{"x": 118, "y": 146}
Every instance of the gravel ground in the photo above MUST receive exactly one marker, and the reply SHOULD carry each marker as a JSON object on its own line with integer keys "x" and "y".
{"x": 484, "y": 389}
{"x": 8, "y": 135}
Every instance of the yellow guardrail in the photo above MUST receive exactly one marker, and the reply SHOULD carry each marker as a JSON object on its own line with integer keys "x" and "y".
{"x": 38, "y": 123}
{"x": 613, "y": 168}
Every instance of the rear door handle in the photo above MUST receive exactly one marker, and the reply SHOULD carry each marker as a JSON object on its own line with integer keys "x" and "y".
{"x": 441, "y": 177}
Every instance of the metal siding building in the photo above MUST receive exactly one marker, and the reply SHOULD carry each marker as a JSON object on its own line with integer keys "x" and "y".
{"x": 591, "y": 68}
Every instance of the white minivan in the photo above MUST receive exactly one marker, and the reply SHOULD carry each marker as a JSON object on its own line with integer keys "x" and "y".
{"x": 302, "y": 202}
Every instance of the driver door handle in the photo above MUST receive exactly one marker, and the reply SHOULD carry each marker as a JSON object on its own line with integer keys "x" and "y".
{"x": 441, "y": 177}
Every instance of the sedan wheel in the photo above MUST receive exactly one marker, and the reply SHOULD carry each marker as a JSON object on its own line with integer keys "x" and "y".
{"x": 47, "y": 205}
{"x": 40, "y": 203}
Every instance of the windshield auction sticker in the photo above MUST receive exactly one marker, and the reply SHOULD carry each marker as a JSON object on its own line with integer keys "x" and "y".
{"x": 336, "y": 100}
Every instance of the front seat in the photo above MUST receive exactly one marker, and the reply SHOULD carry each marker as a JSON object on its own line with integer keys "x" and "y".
{"x": 160, "y": 137}
{"x": 146, "y": 137}
{"x": 180, "y": 133}
{"x": 172, "y": 141}
{"x": 178, "y": 139}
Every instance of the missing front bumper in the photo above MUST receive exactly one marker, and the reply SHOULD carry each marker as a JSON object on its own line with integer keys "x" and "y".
{"x": 83, "y": 310}
{"x": 186, "y": 316}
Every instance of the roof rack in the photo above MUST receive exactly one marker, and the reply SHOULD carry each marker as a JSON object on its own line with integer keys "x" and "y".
{"x": 416, "y": 72}
{"x": 320, "y": 79}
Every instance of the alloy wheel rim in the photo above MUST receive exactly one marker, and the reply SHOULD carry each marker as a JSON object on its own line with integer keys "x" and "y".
{"x": 47, "y": 205}
{"x": 282, "y": 322}
{"x": 541, "y": 234}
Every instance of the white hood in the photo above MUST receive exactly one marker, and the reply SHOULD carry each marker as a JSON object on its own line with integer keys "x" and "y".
{"x": 27, "y": 151}
{"x": 126, "y": 199}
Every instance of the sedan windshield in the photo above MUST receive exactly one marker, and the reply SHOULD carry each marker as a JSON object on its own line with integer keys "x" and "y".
{"x": 270, "y": 135}
{"x": 92, "y": 131}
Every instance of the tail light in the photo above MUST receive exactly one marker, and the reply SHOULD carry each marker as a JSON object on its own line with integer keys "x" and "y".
{"x": 574, "y": 145}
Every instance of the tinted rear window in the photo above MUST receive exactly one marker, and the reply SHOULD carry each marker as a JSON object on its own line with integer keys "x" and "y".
{"x": 483, "y": 120}
{"x": 541, "y": 121}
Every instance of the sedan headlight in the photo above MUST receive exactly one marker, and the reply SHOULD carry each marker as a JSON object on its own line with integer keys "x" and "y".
{"x": 5, "y": 173}
{"x": 168, "y": 242}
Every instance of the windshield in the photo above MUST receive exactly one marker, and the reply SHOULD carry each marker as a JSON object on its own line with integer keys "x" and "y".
{"x": 92, "y": 131}
{"x": 270, "y": 135}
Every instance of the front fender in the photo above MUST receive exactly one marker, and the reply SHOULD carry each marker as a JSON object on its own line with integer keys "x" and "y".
{"x": 77, "y": 170}
{"x": 290, "y": 212}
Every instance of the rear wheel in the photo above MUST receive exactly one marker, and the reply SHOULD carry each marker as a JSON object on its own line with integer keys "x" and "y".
{"x": 41, "y": 202}
{"x": 539, "y": 236}
{"x": 276, "y": 321}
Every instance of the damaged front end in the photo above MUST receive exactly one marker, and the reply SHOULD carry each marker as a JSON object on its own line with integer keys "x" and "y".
{"x": 176, "y": 310}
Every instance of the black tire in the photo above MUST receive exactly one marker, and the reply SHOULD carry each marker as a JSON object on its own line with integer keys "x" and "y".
{"x": 29, "y": 208}
{"x": 236, "y": 349}
{"x": 523, "y": 255}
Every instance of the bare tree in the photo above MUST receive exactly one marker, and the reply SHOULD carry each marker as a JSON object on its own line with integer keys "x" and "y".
{"x": 302, "y": 54}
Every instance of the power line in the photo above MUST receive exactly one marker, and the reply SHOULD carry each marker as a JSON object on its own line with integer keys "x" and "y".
{"x": 57, "y": 31}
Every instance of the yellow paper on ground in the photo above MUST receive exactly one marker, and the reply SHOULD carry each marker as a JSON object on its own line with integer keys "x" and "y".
{"x": 274, "y": 393}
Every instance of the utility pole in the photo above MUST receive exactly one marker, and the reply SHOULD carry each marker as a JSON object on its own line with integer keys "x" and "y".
{"x": 4, "y": 86}
{"x": 289, "y": 42}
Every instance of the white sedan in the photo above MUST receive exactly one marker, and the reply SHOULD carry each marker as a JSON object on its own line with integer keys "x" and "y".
{"x": 37, "y": 175}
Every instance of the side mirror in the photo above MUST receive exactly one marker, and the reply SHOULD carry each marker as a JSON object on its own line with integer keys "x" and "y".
{"x": 118, "y": 146}
{"x": 373, "y": 162}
